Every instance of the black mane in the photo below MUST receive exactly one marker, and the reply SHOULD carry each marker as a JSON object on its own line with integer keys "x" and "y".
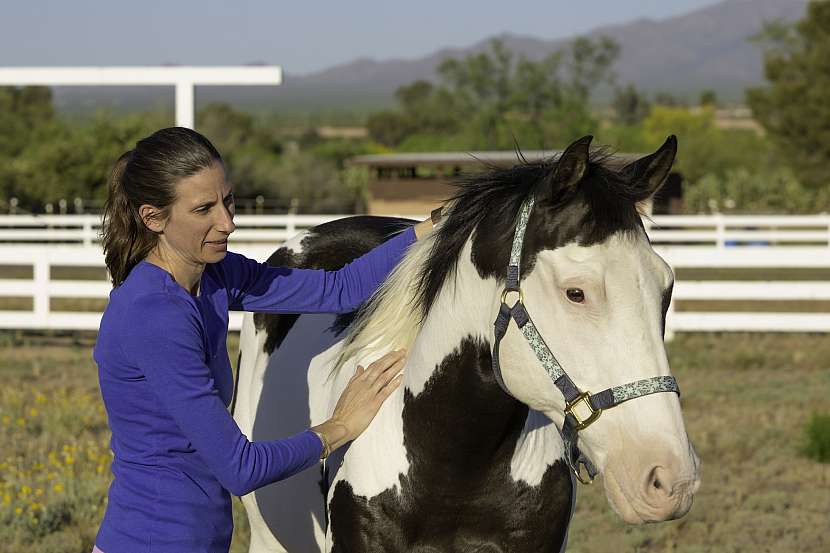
{"x": 486, "y": 205}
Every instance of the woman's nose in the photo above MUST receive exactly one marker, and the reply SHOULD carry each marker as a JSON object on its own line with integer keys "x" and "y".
{"x": 225, "y": 223}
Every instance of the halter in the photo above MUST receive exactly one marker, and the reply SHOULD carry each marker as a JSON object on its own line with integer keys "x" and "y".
{"x": 582, "y": 408}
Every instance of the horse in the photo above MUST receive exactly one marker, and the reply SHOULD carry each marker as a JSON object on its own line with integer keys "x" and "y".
{"x": 482, "y": 445}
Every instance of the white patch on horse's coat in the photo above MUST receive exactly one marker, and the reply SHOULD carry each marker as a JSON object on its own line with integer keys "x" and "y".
{"x": 538, "y": 447}
{"x": 447, "y": 325}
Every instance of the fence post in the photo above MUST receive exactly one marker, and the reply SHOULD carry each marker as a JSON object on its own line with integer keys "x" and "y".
{"x": 40, "y": 270}
{"x": 290, "y": 225}
{"x": 87, "y": 231}
{"x": 720, "y": 231}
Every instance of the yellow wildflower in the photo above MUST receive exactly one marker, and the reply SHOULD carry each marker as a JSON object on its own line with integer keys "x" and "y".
{"x": 18, "y": 510}
{"x": 40, "y": 398}
{"x": 7, "y": 499}
{"x": 33, "y": 412}
{"x": 20, "y": 421}
{"x": 38, "y": 492}
{"x": 58, "y": 487}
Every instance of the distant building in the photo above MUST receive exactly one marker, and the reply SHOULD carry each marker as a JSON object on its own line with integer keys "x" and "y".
{"x": 412, "y": 184}
{"x": 351, "y": 133}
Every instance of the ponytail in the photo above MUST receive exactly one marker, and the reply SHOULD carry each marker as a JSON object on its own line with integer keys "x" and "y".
{"x": 125, "y": 238}
{"x": 147, "y": 175}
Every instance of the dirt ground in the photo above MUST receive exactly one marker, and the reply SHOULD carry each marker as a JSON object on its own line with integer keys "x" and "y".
{"x": 745, "y": 400}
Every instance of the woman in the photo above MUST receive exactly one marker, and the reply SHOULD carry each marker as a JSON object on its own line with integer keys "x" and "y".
{"x": 161, "y": 350}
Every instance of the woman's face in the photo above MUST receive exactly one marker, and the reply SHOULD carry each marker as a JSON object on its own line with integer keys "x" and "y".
{"x": 201, "y": 217}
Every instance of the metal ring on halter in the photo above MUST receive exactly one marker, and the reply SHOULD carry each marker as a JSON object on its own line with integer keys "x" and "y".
{"x": 507, "y": 291}
{"x": 588, "y": 482}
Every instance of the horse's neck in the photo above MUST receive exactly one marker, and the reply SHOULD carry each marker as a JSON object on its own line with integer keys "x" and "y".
{"x": 464, "y": 308}
{"x": 450, "y": 412}
{"x": 454, "y": 350}
{"x": 449, "y": 372}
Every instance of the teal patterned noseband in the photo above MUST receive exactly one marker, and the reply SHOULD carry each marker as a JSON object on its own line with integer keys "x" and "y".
{"x": 582, "y": 408}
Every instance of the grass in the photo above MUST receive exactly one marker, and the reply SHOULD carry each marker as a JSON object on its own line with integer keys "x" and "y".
{"x": 747, "y": 399}
{"x": 817, "y": 438}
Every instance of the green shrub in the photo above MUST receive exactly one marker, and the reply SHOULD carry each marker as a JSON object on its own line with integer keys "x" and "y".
{"x": 817, "y": 438}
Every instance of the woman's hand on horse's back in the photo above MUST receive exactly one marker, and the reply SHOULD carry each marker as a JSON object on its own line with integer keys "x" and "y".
{"x": 362, "y": 398}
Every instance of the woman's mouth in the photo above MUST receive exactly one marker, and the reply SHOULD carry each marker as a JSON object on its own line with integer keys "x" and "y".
{"x": 218, "y": 244}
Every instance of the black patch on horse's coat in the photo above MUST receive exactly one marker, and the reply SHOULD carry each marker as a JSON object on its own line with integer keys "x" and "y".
{"x": 329, "y": 246}
{"x": 486, "y": 207}
{"x": 664, "y": 308}
{"x": 236, "y": 383}
{"x": 460, "y": 434}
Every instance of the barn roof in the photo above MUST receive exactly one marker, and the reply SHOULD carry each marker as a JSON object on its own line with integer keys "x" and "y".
{"x": 462, "y": 158}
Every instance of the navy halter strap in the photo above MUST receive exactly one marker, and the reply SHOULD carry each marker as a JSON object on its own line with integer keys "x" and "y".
{"x": 582, "y": 408}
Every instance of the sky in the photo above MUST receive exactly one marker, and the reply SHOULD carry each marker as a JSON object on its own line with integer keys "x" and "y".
{"x": 302, "y": 37}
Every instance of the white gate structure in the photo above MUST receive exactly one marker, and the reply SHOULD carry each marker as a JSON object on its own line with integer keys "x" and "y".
{"x": 183, "y": 78}
{"x": 31, "y": 247}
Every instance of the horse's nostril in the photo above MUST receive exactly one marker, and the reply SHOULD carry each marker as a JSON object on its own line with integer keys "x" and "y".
{"x": 659, "y": 484}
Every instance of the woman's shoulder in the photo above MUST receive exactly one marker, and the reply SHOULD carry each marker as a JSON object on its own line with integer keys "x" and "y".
{"x": 149, "y": 295}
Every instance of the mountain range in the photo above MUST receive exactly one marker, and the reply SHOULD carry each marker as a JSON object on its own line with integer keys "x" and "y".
{"x": 708, "y": 48}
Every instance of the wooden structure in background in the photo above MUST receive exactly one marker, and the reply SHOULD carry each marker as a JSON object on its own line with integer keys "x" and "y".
{"x": 413, "y": 184}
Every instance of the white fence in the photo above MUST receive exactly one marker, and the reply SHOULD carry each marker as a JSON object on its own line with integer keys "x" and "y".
{"x": 40, "y": 260}
{"x": 85, "y": 229}
{"x": 700, "y": 230}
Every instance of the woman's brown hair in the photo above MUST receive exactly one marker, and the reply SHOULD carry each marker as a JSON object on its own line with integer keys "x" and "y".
{"x": 147, "y": 174}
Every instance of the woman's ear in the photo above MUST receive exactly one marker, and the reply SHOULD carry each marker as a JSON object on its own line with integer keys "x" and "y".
{"x": 152, "y": 217}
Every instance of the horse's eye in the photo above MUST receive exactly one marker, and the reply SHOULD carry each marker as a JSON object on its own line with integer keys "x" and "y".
{"x": 576, "y": 295}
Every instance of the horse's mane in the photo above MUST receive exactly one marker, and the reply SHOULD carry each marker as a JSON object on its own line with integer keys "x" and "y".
{"x": 392, "y": 317}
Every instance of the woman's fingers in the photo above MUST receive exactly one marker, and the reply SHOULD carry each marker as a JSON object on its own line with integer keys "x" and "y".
{"x": 388, "y": 388}
{"x": 388, "y": 374}
{"x": 383, "y": 364}
{"x": 368, "y": 388}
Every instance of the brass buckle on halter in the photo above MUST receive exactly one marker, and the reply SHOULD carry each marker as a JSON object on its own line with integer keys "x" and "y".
{"x": 506, "y": 291}
{"x": 581, "y": 424}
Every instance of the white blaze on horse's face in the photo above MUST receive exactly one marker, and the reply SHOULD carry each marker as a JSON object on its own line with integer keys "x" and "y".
{"x": 612, "y": 337}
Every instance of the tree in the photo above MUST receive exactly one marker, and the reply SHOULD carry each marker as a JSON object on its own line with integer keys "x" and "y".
{"x": 489, "y": 99}
{"x": 630, "y": 106}
{"x": 793, "y": 108}
{"x": 708, "y": 97}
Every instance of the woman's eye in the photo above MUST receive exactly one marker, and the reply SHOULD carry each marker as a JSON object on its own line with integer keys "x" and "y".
{"x": 576, "y": 295}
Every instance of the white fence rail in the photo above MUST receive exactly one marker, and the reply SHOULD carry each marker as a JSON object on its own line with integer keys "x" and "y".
{"x": 720, "y": 231}
{"x": 85, "y": 229}
{"x": 40, "y": 260}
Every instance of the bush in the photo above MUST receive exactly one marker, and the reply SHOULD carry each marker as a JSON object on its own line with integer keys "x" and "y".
{"x": 817, "y": 438}
{"x": 744, "y": 191}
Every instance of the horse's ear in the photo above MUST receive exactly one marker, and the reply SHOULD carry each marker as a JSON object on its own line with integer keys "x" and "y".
{"x": 571, "y": 166}
{"x": 648, "y": 173}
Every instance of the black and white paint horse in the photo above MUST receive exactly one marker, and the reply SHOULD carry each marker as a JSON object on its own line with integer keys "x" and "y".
{"x": 452, "y": 462}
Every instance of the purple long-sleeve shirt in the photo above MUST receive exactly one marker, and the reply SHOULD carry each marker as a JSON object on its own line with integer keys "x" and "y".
{"x": 166, "y": 382}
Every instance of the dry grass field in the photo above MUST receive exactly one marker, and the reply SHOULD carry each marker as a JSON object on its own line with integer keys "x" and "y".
{"x": 746, "y": 399}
